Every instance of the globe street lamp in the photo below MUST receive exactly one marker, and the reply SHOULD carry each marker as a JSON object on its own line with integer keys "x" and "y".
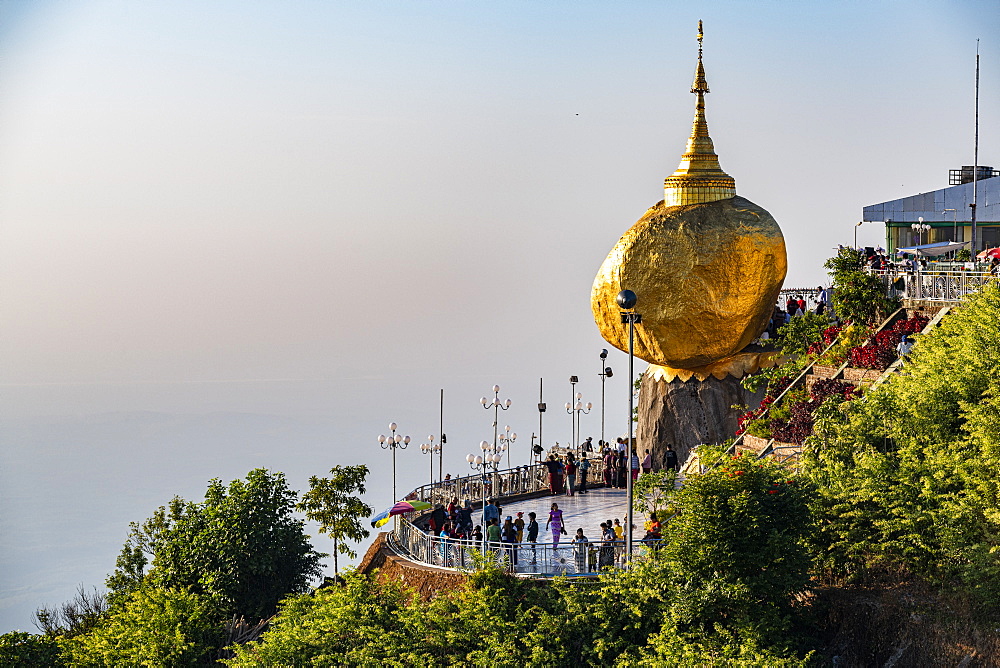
{"x": 482, "y": 464}
{"x": 573, "y": 380}
{"x": 627, "y": 300}
{"x": 430, "y": 448}
{"x": 393, "y": 442}
{"x": 919, "y": 228}
{"x": 497, "y": 406}
{"x": 507, "y": 439}
{"x": 493, "y": 454}
{"x": 605, "y": 374}
{"x": 574, "y": 410}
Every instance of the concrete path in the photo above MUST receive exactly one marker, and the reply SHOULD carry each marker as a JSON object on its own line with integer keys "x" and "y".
{"x": 580, "y": 511}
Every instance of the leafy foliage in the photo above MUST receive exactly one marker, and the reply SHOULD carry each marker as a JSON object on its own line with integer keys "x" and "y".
{"x": 241, "y": 546}
{"x": 152, "y": 627}
{"x": 329, "y": 501}
{"x": 19, "y": 649}
{"x": 857, "y": 296}
{"x": 718, "y": 593}
{"x": 795, "y": 337}
{"x": 907, "y": 478}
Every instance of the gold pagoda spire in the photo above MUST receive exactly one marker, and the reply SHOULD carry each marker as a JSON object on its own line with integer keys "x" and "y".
{"x": 698, "y": 178}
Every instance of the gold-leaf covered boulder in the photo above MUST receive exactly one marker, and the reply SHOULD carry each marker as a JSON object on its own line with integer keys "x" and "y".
{"x": 707, "y": 276}
{"x": 706, "y": 264}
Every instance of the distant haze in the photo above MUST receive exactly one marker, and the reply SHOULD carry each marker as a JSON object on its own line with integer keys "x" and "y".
{"x": 251, "y": 234}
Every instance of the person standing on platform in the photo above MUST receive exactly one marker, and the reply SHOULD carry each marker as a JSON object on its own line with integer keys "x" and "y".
{"x": 491, "y": 512}
{"x": 552, "y": 466}
{"x": 556, "y": 522}
{"x": 532, "y": 535}
{"x": 670, "y": 458}
{"x": 508, "y": 536}
{"x": 570, "y": 474}
{"x": 493, "y": 535}
{"x": 581, "y": 546}
{"x": 609, "y": 468}
{"x": 606, "y": 556}
{"x": 647, "y": 463}
{"x": 582, "y": 471}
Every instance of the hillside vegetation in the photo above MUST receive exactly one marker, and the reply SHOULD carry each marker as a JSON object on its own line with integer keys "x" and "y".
{"x": 882, "y": 549}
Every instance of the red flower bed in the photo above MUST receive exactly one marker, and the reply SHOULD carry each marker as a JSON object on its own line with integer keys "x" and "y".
{"x": 880, "y": 352}
{"x": 830, "y": 334}
{"x": 800, "y": 424}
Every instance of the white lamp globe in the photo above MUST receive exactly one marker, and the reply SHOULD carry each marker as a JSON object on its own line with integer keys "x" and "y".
{"x": 381, "y": 438}
{"x": 470, "y": 458}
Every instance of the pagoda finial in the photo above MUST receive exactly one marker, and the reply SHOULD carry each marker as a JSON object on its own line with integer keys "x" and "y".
{"x": 698, "y": 178}
{"x": 700, "y": 84}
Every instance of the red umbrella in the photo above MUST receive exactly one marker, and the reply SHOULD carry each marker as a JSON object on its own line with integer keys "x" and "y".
{"x": 989, "y": 254}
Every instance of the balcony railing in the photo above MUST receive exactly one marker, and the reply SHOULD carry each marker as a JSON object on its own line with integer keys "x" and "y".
{"x": 527, "y": 559}
{"x": 543, "y": 559}
{"x": 932, "y": 285}
{"x": 519, "y": 480}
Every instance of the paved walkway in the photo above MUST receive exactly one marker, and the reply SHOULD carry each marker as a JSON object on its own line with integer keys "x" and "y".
{"x": 580, "y": 511}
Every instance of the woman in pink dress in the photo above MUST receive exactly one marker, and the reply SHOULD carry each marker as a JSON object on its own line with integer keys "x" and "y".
{"x": 556, "y": 521}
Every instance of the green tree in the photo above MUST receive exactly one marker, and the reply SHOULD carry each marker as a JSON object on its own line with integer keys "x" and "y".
{"x": 738, "y": 541}
{"x": 241, "y": 545}
{"x": 906, "y": 478}
{"x": 152, "y": 627}
{"x": 19, "y": 649}
{"x": 857, "y": 296}
{"x": 331, "y": 503}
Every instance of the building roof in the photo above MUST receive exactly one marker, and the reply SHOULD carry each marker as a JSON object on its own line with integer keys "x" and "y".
{"x": 932, "y": 206}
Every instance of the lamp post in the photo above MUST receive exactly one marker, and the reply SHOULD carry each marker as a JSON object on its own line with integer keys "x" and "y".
{"x": 393, "y": 442}
{"x": 482, "y": 463}
{"x": 507, "y": 439}
{"x": 605, "y": 374}
{"x": 573, "y": 380}
{"x": 575, "y": 409}
{"x": 856, "y": 226}
{"x": 497, "y": 406}
{"x": 541, "y": 413}
{"x": 627, "y": 300}
{"x": 430, "y": 448}
{"x": 920, "y": 228}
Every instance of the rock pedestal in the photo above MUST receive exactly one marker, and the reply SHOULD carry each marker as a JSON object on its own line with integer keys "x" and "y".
{"x": 688, "y": 413}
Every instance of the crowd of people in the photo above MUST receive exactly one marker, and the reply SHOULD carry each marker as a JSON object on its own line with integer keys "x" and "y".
{"x": 569, "y": 475}
{"x": 517, "y": 535}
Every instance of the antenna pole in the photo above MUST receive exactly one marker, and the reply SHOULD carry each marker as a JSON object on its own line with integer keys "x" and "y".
{"x": 975, "y": 160}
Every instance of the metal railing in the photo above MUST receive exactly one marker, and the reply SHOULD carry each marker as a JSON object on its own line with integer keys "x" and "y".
{"x": 519, "y": 480}
{"x": 933, "y": 285}
{"x": 457, "y": 553}
{"x": 525, "y": 558}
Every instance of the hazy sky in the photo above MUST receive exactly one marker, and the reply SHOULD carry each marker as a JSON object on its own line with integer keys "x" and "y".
{"x": 210, "y": 191}
{"x": 331, "y": 210}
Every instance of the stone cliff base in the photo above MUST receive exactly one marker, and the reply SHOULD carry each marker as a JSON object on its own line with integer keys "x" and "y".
{"x": 688, "y": 413}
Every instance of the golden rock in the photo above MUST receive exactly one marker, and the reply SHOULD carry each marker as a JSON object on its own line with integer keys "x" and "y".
{"x": 706, "y": 264}
{"x": 707, "y": 276}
